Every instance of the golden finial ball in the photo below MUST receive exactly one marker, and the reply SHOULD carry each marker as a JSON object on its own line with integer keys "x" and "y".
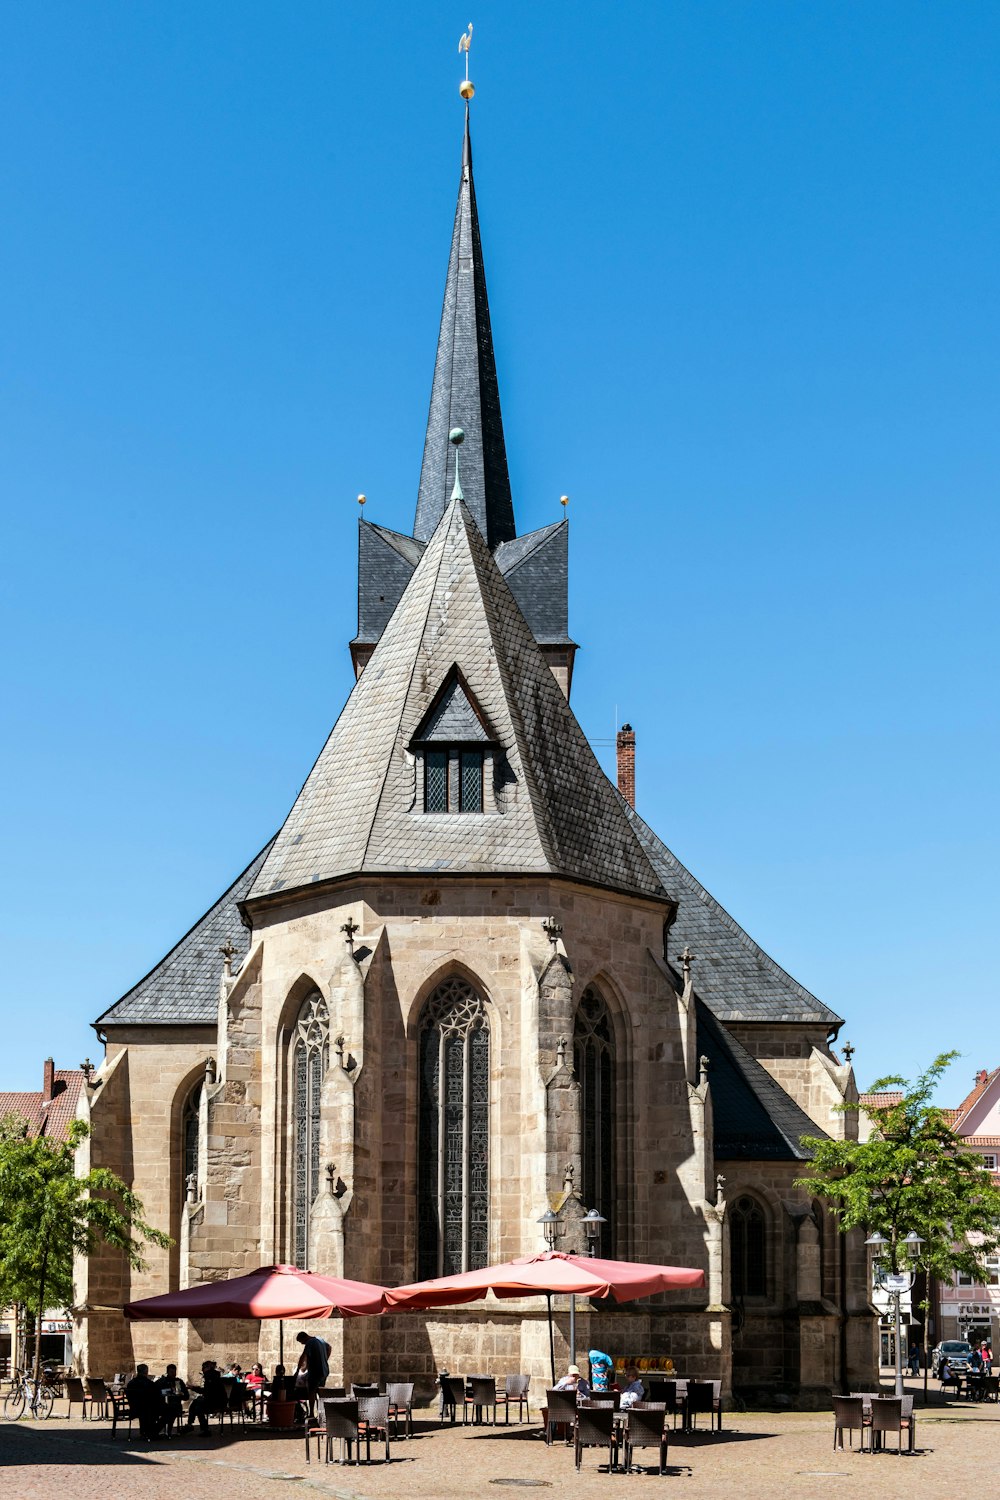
{"x": 466, "y": 88}
{"x": 564, "y": 500}
{"x": 362, "y": 499}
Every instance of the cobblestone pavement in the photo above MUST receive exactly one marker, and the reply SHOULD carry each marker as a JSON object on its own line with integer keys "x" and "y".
{"x": 761, "y": 1454}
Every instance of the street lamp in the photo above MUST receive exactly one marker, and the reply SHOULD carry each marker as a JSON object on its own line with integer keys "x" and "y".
{"x": 550, "y": 1227}
{"x": 895, "y": 1284}
{"x": 593, "y": 1222}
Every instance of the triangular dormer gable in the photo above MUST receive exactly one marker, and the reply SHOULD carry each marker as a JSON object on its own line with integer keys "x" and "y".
{"x": 454, "y": 717}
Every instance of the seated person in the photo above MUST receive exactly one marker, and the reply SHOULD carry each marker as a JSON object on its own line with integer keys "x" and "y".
{"x": 632, "y": 1388}
{"x": 573, "y": 1381}
{"x": 213, "y": 1396}
{"x": 174, "y": 1393}
{"x": 145, "y": 1402}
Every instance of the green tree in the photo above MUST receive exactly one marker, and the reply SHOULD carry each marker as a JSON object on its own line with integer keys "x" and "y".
{"x": 914, "y": 1173}
{"x": 47, "y": 1213}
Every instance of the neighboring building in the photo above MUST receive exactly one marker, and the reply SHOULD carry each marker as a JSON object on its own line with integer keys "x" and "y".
{"x": 48, "y": 1112}
{"x": 456, "y": 990}
{"x": 965, "y": 1309}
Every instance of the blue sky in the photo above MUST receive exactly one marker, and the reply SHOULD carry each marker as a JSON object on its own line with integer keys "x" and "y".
{"x": 742, "y": 269}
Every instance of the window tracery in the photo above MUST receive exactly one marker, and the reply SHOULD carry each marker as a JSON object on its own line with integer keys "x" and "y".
{"x": 189, "y": 1137}
{"x": 748, "y": 1248}
{"x": 453, "y": 1143}
{"x": 311, "y": 1056}
{"x": 594, "y": 1065}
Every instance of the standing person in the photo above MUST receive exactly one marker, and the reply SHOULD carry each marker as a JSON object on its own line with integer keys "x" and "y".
{"x": 145, "y": 1402}
{"x": 313, "y": 1367}
{"x": 987, "y": 1353}
{"x": 602, "y": 1368}
{"x": 914, "y": 1360}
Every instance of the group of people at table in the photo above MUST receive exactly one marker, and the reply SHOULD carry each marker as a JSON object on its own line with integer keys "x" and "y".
{"x": 158, "y": 1405}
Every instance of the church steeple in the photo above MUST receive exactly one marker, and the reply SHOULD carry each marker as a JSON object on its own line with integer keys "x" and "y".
{"x": 465, "y": 392}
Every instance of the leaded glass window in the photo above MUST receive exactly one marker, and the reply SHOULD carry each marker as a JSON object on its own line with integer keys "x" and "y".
{"x": 189, "y": 1133}
{"x": 470, "y": 795}
{"x": 594, "y": 1065}
{"x": 310, "y": 1056}
{"x": 748, "y": 1248}
{"x": 436, "y": 781}
{"x": 453, "y": 1144}
{"x": 453, "y": 780}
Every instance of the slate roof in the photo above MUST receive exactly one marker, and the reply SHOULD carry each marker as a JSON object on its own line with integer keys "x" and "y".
{"x": 732, "y": 973}
{"x": 358, "y": 810}
{"x": 183, "y": 988}
{"x": 465, "y": 392}
{"x": 51, "y": 1117}
{"x": 753, "y": 1119}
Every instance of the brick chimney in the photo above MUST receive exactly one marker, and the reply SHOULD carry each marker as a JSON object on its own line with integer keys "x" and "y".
{"x": 625, "y": 744}
{"x": 981, "y": 1076}
{"x": 48, "y": 1080}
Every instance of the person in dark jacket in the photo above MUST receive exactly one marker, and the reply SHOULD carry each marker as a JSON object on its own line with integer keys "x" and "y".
{"x": 313, "y": 1368}
{"x": 213, "y": 1396}
{"x": 145, "y": 1402}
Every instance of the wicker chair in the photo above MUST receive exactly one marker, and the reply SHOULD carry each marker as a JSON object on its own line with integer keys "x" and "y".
{"x": 673, "y": 1395}
{"x": 373, "y": 1414}
{"x": 646, "y": 1428}
{"x": 481, "y": 1394}
{"x": 704, "y": 1396}
{"x": 515, "y": 1389}
{"x": 595, "y": 1428}
{"x": 98, "y": 1395}
{"x": 341, "y": 1420}
{"x": 400, "y": 1396}
{"x": 887, "y": 1416}
{"x": 452, "y": 1395}
{"x": 561, "y": 1412}
{"x": 75, "y": 1393}
{"x": 849, "y": 1417}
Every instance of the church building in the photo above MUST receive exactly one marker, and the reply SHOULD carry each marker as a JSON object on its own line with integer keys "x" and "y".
{"x": 464, "y": 984}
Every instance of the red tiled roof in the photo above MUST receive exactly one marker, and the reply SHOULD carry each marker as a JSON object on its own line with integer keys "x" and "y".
{"x": 983, "y": 1083}
{"x": 52, "y": 1118}
{"x": 882, "y": 1101}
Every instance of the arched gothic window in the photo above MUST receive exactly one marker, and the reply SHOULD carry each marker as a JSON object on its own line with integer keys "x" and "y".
{"x": 310, "y": 1056}
{"x": 594, "y": 1064}
{"x": 189, "y": 1137}
{"x": 453, "y": 1148}
{"x": 748, "y": 1248}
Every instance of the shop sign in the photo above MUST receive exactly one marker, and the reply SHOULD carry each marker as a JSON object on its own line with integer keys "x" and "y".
{"x": 56, "y": 1325}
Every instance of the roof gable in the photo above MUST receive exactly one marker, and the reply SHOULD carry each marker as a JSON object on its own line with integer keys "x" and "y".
{"x": 753, "y": 1119}
{"x": 357, "y": 809}
{"x": 453, "y": 718}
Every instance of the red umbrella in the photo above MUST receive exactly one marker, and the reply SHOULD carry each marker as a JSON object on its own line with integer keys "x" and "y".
{"x": 552, "y": 1271}
{"x": 270, "y": 1292}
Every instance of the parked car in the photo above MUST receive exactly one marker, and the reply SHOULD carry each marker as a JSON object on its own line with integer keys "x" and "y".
{"x": 956, "y": 1351}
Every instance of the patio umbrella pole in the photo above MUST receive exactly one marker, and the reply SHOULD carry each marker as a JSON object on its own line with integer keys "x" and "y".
{"x": 572, "y": 1328}
{"x": 552, "y": 1339}
{"x": 281, "y": 1341}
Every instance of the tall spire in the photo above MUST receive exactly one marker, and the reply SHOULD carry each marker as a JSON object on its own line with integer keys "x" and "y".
{"x": 465, "y": 392}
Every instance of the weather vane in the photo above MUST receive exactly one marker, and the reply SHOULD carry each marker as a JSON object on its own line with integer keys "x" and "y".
{"x": 465, "y": 88}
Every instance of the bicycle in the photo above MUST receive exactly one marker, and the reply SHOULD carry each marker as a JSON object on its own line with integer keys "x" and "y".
{"x": 27, "y": 1394}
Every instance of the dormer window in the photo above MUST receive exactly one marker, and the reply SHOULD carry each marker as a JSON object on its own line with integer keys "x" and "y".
{"x": 453, "y": 780}
{"x": 454, "y": 748}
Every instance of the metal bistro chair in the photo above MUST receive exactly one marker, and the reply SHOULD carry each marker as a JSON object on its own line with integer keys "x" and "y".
{"x": 646, "y": 1427}
{"x": 341, "y": 1419}
{"x": 849, "y": 1417}
{"x": 452, "y": 1395}
{"x": 887, "y": 1416}
{"x": 515, "y": 1389}
{"x": 704, "y": 1396}
{"x": 373, "y": 1413}
{"x": 561, "y": 1412}
{"x": 400, "y": 1396}
{"x": 99, "y": 1395}
{"x": 75, "y": 1394}
{"x": 480, "y": 1395}
{"x": 595, "y": 1428}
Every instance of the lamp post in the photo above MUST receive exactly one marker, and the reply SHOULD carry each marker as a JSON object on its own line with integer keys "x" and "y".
{"x": 593, "y": 1222}
{"x": 895, "y": 1284}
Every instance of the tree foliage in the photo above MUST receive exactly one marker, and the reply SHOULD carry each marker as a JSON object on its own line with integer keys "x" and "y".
{"x": 914, "y": 1173}
{"x": 47, "y": 1213}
